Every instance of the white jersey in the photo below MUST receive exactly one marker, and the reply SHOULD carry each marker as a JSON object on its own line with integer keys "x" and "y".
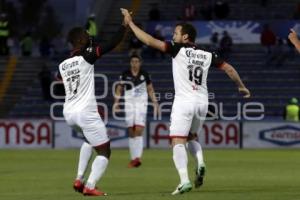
{"x": 135, "y": 86}
{"x": 77, "y": 74}
{"x": 190, "y": 69}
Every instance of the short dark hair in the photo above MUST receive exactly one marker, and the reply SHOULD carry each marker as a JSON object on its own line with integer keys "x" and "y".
{"x": 135, "y": 56}
{"x": 188, "y": 29}
{"x": 75, "y": 35}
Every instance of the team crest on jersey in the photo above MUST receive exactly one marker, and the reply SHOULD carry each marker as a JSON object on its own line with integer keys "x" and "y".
{"x": 142, "y": 78}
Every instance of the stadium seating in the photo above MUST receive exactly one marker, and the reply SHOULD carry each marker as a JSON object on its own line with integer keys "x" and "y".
{"x": 25, "y": 74}
{"x": 269, "y": 85}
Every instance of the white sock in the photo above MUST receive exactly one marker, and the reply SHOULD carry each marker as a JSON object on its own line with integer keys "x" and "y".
{"x": 132, "y": 147}
{"x": 181, "y": 160}
{"x": 139, "y": 146}
{"x": 98, "y": 167}
{"x": 84, "y": 157}
{"x": 196, "y": 150}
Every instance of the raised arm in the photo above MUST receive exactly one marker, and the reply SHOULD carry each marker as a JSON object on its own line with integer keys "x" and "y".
{"x": 95, "y": 51}
{"x": 141, "y": 35}
{"x": 114, "y": 41}
{"x": 294, "y": 39}
{"x": 233, "y": 75}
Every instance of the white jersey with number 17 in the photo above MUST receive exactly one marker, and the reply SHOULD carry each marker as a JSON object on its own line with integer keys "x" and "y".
{"x": 77, "y": 73}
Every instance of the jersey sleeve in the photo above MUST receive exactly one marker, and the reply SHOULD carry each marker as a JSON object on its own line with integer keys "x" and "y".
{"x": 172, "y": 48}
{"x": 147, "y": 78}
{"x": 216, "y": 60}
{"x": 114, "y": 40}
{"x": 92, "y": 53}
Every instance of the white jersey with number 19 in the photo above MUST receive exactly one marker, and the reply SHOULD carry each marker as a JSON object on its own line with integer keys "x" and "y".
{"x": 190, "y": 69}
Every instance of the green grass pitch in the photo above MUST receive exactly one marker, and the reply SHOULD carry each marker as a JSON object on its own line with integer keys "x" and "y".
{"x": 231, "y": 175}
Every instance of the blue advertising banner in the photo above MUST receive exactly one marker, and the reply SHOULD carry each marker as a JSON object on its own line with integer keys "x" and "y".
{"x": 271, "y": 135}
{"x": 242, "y": 32}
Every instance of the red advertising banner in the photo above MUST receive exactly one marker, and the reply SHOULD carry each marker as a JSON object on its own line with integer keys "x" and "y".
{"x": 214, "y": 134}
{"x": 26, "y": 133}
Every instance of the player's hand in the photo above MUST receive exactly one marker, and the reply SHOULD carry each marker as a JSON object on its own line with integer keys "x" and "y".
{"x": 245, "y": 92}
{"x": 156, "y": 109}
{"x": 127, "y": 16}
{"x": 293, "y": 37}
{"x": 116, "y": 108}
{"x": 125, "y": 12}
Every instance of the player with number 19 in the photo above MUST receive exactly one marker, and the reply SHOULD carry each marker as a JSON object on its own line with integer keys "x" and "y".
{"x": 190, "y": 66}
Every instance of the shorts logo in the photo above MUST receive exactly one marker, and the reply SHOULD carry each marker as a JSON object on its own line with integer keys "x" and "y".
{"x": 283, "y": 136}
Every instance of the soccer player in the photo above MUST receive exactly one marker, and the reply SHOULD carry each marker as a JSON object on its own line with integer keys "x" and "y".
{"x": 190, "y": 69}
{"x": 294, "y": 39}
{"x": 137, "y": 85}
{"x": 80, "y": 107}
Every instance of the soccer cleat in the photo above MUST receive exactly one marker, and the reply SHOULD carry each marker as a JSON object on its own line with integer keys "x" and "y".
{"x": 182, "y": 188}
{"x": 200, "y": 173}
{"x": 78, "y": 185}
{"x": 93, "y": 192}
{"x": 134, "y": 163}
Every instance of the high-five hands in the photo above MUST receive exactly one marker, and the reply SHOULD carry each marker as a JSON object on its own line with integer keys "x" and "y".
{"x": 127, "y": 16}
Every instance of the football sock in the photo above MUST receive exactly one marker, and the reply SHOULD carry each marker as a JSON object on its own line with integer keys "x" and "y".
{"x": 139, "y": 146}
{"x": 196, "y": 150}
{"x": 181, "y": 160}
{"x": 132, "y": 147}
{"x": 98, "y": 167}
{"x": 84, "y": 157}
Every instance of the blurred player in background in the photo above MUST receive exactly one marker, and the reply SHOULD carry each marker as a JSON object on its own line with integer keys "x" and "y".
{"x": 292, "y": 110}
{"x": 293, "y": 37}
{"x": 80, "y": 108}
{"x": 190, "y": 69}
{"x": 137, "y": 85}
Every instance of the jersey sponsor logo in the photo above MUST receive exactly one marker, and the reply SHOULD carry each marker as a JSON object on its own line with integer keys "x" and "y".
{"x": 283, "y": 135}
{"x": 190, "y": 53}
{"x": 196, "y": 58}
{"x": 66, "y": 66}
